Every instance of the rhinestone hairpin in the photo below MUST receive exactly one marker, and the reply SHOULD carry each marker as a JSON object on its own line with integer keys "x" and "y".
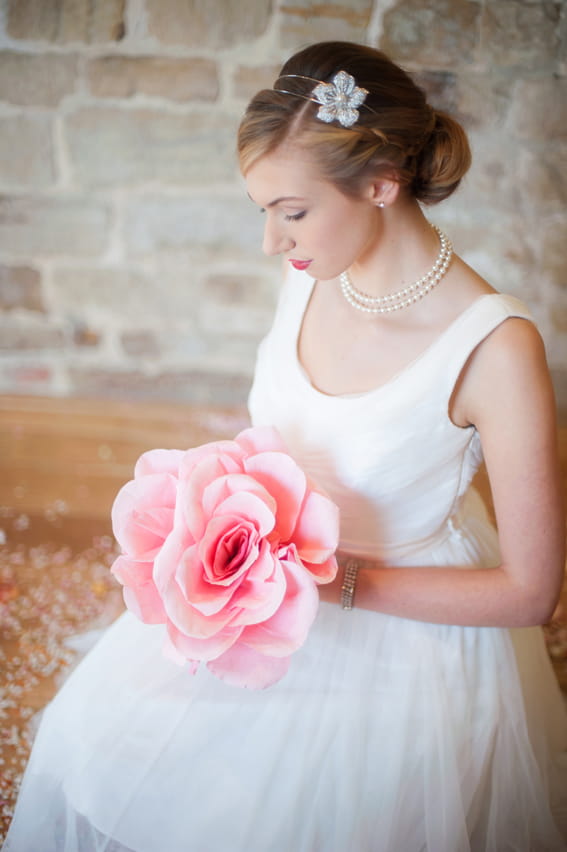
{"x": 338, "y": 100}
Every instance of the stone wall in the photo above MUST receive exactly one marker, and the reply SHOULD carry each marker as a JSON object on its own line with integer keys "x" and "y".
{"x": 130, "y": 261}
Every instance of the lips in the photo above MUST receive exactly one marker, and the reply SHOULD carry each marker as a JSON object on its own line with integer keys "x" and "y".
{"x": 300, "y": 264}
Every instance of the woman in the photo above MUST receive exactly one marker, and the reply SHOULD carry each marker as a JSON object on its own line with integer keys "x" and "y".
{"x": 422, "y": 712}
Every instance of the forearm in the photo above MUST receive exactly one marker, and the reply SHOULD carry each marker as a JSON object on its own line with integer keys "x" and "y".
{"x": 465, "y": 596}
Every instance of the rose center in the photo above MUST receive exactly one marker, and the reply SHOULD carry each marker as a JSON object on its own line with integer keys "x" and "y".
{"x": 233, "y": 550}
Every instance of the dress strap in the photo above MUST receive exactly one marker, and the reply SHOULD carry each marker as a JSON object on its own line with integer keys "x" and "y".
{"x": 474, "y": 326}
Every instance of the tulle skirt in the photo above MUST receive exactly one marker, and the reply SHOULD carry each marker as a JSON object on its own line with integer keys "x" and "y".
{"x": 386, "y": 735}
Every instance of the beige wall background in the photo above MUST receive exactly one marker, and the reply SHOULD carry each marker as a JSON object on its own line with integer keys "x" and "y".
{"x": 130, "y": 257}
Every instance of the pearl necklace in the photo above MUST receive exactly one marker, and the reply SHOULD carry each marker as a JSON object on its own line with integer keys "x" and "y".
{"x": 408, "y": 295}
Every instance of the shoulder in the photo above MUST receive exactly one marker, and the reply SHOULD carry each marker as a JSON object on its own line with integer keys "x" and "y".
{"x": 508, "y": 367}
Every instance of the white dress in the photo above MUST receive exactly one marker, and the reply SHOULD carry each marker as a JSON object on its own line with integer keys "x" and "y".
{"x": 386, "y": 735}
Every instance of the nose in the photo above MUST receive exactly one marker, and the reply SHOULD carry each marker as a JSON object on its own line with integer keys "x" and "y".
{"x": 276, "y": 241}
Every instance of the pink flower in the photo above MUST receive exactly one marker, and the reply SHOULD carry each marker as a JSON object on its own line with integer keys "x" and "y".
{"x": 224, "y": 544}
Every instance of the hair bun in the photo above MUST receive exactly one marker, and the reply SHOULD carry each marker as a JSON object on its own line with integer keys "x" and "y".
{"x": 442, "y": 162}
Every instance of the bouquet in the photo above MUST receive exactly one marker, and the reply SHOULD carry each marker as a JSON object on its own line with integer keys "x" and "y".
{"x": 225, "y": 544}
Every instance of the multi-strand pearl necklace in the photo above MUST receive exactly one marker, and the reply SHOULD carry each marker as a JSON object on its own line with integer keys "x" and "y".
{"x": 408, "y": 295}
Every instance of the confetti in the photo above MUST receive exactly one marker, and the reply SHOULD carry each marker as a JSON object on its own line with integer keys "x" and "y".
{"x": 48, "y": 594}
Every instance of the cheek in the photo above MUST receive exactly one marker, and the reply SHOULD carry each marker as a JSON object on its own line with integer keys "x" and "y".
{"x": 349, "y": 235}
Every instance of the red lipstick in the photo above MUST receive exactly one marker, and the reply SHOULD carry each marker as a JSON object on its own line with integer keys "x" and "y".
{"x": 300, "y": 264}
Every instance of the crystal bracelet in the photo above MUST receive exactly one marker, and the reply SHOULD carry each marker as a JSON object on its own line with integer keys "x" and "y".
{"x": 349, "y": 584}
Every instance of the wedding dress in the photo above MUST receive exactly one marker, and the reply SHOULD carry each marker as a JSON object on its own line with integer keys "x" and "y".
{"x": 387, "y": 734}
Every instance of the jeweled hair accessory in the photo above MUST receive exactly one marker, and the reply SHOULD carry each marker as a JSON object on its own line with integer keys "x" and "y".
{"x": 338, "y": 99}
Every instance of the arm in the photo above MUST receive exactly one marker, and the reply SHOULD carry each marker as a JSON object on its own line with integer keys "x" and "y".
{"x": 506, "y": 392}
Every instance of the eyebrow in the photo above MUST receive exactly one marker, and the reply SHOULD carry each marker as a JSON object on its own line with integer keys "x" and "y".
{"x": 277, "y": 201}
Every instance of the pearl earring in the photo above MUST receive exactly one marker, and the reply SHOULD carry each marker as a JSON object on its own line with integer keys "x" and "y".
{"x": 381, "y": 204}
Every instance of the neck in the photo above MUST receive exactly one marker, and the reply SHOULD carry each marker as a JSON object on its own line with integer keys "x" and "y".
{"x": 404, "y": 249}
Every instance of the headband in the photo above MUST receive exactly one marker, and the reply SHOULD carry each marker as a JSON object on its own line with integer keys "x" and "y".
{"x": 338, "y": 100}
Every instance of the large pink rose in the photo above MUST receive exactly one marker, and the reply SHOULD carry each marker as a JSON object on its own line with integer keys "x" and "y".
{"x": 224, "y": 544}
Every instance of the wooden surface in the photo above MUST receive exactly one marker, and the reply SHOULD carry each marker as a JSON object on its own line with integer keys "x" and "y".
{"x": 71, "y": 456}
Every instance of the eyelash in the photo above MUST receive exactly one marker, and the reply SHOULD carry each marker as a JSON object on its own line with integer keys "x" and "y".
{"x": 295, "y": 217}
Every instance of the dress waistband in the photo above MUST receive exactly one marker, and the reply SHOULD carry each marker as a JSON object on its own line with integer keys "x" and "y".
{"x": 450, "y": 528}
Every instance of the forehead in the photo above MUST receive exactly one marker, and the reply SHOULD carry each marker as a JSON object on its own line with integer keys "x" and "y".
{"x": 286, "y": 172}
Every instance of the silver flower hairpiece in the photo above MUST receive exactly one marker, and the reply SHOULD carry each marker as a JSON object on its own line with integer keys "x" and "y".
{"x": 338, "y": 99}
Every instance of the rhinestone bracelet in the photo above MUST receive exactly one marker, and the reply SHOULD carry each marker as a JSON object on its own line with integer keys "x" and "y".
{"x": 349, "y": 583}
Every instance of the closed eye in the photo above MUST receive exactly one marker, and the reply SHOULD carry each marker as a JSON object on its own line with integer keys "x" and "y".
{"x": 295, "y": 217}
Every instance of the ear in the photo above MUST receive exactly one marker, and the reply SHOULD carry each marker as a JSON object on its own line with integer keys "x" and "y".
{"x": 383, "y": 191}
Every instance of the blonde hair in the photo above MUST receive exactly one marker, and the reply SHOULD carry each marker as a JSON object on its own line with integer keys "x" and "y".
{"x": 397, "y": 134}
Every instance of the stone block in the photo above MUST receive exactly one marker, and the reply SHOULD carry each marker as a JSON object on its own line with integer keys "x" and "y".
{"x": 247, "y": 80}
{"x": 482, "y": 99}
{"x": 440, "y": 88}
{"x": 196, "y": 387}
{"x": 214, "y": 23}
{"x": 559, "y": 316}
{"x": 161, "y": 77}
{"x": 140, "y": 344}
{"x": 109, "y": 146}
{"x": 436, "y": 34}
{"x": 520, "y": 33}
{"x": 553, "y": 246}
{"x": 28, "y": 378}
{"x": 20, "y": 289}
{"x": 538, "y": 111}
{"x": 222, "y": 350}
{"x": 36, "y": 80}
{"x": 542, "y": 179}
{"x": 37, "y": 225}
{"x": 24, "y": 336}
{"x": 85, "y": 336}
{"x": 303, "y": 21}
{"x": 63, "y": 21}
{"x": 117, "y": 297}
{"x": 26, "y": 151}
{"x": 207, "y": 225}
{"x": 559, "y": 377}
{"x": 243, "y": 304}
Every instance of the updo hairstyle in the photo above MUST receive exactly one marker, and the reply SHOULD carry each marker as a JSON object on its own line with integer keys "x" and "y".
{"x": 397, "y": 135}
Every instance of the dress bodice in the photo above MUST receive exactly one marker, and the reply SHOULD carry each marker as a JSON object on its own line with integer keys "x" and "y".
{"x": 391, "y": 458}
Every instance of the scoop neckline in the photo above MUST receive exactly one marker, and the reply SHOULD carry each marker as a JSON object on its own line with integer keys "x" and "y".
{"x": 406, "y": 369}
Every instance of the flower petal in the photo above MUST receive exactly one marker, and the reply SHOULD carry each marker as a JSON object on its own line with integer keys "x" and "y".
{"x": 203, "y": 649}
{"x": 158, "y": 461}
{"x": 226, "y": 454}
{"x": 327, "y": 114}
{"x": 142, "y": 514}
{"x": 228, "y": 548}
{"x": 261, "y": 592}
{"x": 260, "y": 439}
{"x": 140, "y": 594}
{"x": 244, "y": 667}
{"x": 169, "y": 557}
{"x": 248, "y": 500}
{"x": 322, "y": 572}
{"x": 284, "y": 480}
{"x": 170, "y": 652}
{"x": 198, "y": 591}
{"x": 316, "y": 534}
{"x": 192, "y": 485}
{"x": 287, "y": 629}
